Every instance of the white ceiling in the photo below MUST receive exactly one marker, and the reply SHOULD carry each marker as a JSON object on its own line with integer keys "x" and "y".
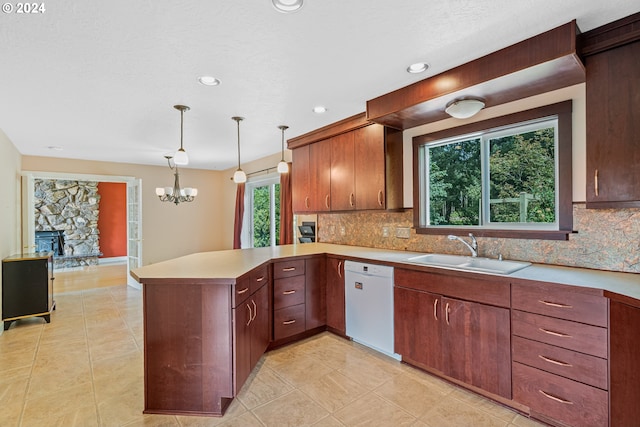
{"x": 100, "y": 78}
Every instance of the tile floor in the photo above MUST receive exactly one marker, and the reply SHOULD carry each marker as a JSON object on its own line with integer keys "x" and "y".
{"x": 85, "y": 368}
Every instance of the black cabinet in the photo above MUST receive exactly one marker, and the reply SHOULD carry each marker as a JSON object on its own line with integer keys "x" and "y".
{"x": 27, "y": 287}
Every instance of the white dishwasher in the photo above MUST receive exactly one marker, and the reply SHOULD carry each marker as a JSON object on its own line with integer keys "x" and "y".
{"x": 369, "y": 305}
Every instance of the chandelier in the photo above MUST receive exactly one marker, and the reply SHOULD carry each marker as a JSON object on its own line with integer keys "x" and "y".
{"x": 176, "y": 194}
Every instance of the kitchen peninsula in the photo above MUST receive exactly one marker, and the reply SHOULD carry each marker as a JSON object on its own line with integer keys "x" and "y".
{"x": 208, "y": 317}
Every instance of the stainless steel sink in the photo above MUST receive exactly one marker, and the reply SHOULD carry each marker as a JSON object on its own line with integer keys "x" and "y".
{"x": 467, "y": 263}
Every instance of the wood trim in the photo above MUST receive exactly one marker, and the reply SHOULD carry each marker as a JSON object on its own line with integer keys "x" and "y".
{"x": 350, "y": 123}
{"x": 540, "y": 64}
{"x": 610, "y": 36}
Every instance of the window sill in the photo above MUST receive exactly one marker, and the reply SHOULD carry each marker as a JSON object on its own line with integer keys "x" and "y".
{"x": 505, "y": 234}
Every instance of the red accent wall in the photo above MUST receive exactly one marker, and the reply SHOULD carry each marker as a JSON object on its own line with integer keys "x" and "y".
{"x": 112, "y": 221}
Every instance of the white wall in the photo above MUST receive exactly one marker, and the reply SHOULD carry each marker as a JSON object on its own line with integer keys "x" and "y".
{"x": 579, "y": 124}
{"x": 9, "y": 200}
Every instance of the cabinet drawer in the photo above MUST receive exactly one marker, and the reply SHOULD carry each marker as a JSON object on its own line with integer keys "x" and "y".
{"x": 564, "y": 302}
{"x": 288, "y": 292}
{"x": 288, "y": 321}
{"x": 288, "y": 268}
{"x": 259, "y": 277}
{"x": 241, "y": 291}
{"x": 559, "y": 398}
{"x": 586, "y": 369}
{"x": 562, "y": 333}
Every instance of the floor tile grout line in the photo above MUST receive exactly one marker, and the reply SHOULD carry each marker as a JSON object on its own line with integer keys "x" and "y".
{"x": 93, "y": 382}
{"x": 28, "y": 387}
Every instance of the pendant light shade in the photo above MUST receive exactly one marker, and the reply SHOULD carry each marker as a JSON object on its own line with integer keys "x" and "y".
{"x": 239, "y": 176}
{"x": 283, "y": 167}
{"x": 180, "y": 158}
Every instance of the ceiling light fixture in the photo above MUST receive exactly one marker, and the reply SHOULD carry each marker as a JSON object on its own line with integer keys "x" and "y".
{"x": 176, "y": 194}
{"x": 239, "y": 176}
{"x": 181, "y": 157}
{"x": 287, "y": 6}
{"x": 283, "y": 167}
{"x": 208, "y": 81}
{"x": 319, "y": 109}
{"x": 418, "y": 67}
{"x": 464, "y": 108}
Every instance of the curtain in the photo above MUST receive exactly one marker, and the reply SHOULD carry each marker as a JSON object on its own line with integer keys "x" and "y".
{"x": 237, "y": 226}
{"x": 286, "y": 208}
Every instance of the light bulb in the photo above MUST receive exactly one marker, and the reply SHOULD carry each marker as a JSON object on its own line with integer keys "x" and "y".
{"x": 239, "y": 176}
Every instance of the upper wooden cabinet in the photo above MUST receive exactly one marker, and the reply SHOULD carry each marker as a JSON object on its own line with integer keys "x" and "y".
{"x": 311, "y": 175}
{"x": 350, "y": 165}
{"x": 612, "y": 59}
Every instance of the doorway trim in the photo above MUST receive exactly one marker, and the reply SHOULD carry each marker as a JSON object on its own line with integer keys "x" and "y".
{"x": 134, "y": 199}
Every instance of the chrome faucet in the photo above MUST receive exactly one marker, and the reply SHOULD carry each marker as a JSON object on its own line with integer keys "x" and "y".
{"x": 473, "y": 247}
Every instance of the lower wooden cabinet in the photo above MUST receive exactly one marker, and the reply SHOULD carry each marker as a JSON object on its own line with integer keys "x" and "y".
{"x": 560, "y": 399}
{"x": 251, "y": 334}
{"x": 336, "y": 319}
{"x": 465, "y": 340}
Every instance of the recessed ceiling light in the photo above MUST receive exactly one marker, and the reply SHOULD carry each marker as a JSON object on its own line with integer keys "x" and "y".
{"x": 208, "y": 81}
{"x": 418, "y": 67}
{"x": 319, "y": 109}
{"x": 55, "y": 147}
{"x": 287, "y": 6}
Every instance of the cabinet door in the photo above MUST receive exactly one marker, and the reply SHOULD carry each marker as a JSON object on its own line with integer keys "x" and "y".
{"x": 242, "y": 365}
{"x": 315, "y": 295}
{"x": 260, "y": 333}
{"x": 335, "y": 295}
{"x": 370, "y": 167}
{"x": 613, "y": 110}
{"x": 300, "y": 179}
{"x": 320, "y": 176}
{"x": 477, "y": 341}
{"x": 343, "y": 191}
{"x": 417, "y": 327}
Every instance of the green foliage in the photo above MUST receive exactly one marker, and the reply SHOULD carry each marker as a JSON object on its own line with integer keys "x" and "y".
{"x": 262, "y": 215}
{"x": 521, "y": 181}
{"x": 523, "y": 163}
{"x": 455, "y": 183}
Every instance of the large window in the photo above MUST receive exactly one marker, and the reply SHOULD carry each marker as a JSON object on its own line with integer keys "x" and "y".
{"x": 497, "y": 176}
{"x": 263, "y": 213}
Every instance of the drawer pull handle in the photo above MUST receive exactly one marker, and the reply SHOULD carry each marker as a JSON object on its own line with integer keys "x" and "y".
{"x": 555, "y": 304}
{"x": 351, "y": 200}
{"x": 557, "y": 399}
{"x": 380, "y": 199}
{"x": 289, "y": 322}
{"x": 555, "y": 334}
{"x": 326, "y": 201}
{"x": 435, "y": 309}
{"x": 243, "y": 291}
{"x": 260, "y": 279}
{"x": 255, "y": 310}
{"x": 446, "y": 313}
{"x": 595, "y": 182}
{"x": 250, "y": 315}
{"x": 306, "y": 202}
{"x": 555, "y": 362}
{"x": 340, "y": 269}
{"x": 289, "y": 292}
{"x": 289, "y": 269}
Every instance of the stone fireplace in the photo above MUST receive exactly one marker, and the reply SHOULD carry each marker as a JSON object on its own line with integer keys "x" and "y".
{"x": 70, "y": 209}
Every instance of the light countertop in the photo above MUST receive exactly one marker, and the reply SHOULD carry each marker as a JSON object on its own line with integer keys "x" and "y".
{"x": 226, "y": 266}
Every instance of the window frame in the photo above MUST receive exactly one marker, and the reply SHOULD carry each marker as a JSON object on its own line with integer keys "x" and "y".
{"x": 563, "y": 112}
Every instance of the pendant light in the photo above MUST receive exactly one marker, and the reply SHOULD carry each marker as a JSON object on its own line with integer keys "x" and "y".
{"x": 181, "y": 158}
{"x": 239, "y": 176}
{"x": 283, "y": 167}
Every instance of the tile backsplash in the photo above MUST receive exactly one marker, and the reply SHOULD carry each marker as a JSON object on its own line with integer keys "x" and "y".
{"x": 605, "y": 239}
